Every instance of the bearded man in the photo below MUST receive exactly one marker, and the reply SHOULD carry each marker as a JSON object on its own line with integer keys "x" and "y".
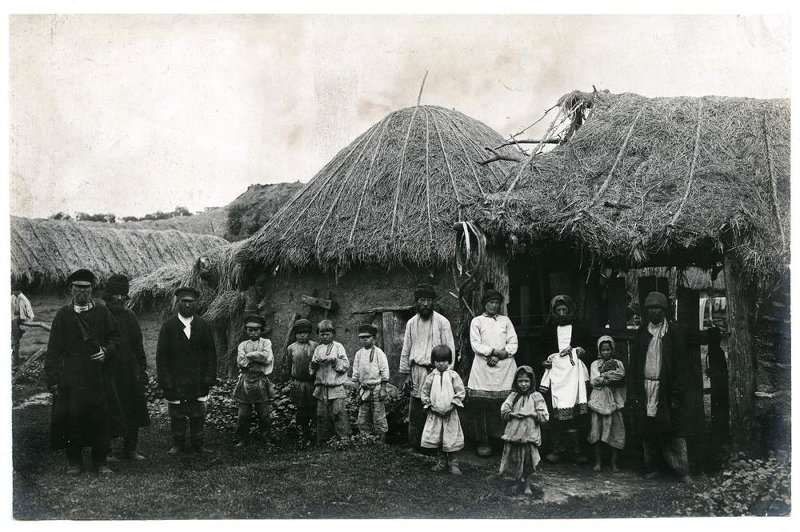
{"x": 426, "y": 330}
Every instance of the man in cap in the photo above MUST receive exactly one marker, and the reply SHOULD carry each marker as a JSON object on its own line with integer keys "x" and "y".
{"x": 494, "y": 342}
{"x": 657, "y": 388}
{"x": 298, "y": 361}
{"x": 129, "y": 366}
{"x": 426, "y": 330}
{"x": 21, "y": 312}
{"x": 186, "y": 364}
{"x": 84, "y": 338}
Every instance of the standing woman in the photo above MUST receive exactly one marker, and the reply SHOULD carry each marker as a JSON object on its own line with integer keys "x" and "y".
{"x": 129, "y": 367}
{"x": 494, "y": 342}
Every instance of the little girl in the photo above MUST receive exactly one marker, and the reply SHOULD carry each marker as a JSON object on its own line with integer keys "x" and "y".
{"x": 253, "y": 389}
{"x": 607, "y": 399}
{"x": 523, "y": 411}
{"x": 442, "y": 392}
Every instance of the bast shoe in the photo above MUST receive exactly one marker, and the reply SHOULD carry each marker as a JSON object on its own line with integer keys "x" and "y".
{"x": 484, "y": 450}
{"x": 202, "y": 449}
{"x": 454, "y": 469}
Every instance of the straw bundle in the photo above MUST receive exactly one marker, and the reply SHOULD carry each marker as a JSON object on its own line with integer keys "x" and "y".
{"x": 389, "y": 198}
{"x": 661, "y": 181}
{"x": 45, "y": 252}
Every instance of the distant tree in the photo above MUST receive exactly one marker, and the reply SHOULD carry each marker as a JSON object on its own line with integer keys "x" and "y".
{"x": 60, "y": 215}
{"x": 100, "y": 217}
{"x": 130, "y": 219}
{"x": 181, "y": 211}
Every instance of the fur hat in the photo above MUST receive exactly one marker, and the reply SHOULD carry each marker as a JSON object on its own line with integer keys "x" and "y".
{"x": 367, "y": 330}
{"x": 424, "y": 290}
{"x": 491, "y": 294}
{"x": 117, "y": 285}
{"x": 325, "y": 326}
{"x": 82, "y": 277}
{"x": 656, "y": 299}
{"x": 301, "y": 326}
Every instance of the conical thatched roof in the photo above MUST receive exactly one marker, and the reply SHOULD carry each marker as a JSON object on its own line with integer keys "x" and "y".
{"x": 660, "y": 181}
{"x": 45, "y": 252}
{"x": 389, "y": 198}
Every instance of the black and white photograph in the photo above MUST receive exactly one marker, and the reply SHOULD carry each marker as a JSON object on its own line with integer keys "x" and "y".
{"x": 399, "y": 262}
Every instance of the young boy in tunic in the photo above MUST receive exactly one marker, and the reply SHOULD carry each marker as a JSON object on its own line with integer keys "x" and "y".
{"x": 371, "y": 373}
{"x": 442, "y": 392}
{"x": 253, "y": 389}
{"x": 606, "y": 401}
{"x": 524, "y": 410}
{"x": 298, "y": 361}
{"x": 329, "y": 364}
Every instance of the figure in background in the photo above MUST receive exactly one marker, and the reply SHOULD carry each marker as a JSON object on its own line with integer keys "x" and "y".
{"x": 424, "y": 331}
{"x": 21, "y": 312}
{"x": 298, "y": 363}
{"x": 718, "y": 374}
{"x": 607, "y": 378}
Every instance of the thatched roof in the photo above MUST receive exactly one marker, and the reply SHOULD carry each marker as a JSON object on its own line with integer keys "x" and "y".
{"x": 659, "y": 181}
{"x": 45, "y": 252}
{"x": 389, "y": 198}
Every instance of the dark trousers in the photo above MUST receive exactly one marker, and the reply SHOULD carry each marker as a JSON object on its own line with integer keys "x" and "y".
{"x": 332, "y": 417}
{"x": 130, "y": 440}
{"x": 243, "y": 420}
{"x": 416, "y": 421}
{"x": 191, "y": 413}
{"x": 567, "y": 434}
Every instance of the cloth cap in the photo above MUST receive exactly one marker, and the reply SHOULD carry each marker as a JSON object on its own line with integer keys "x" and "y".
{"x": 254, "y": 320}
{"x": 656, "y": 299}
{"x": 82, "y": 277}
{"x": 301, "y": 326}
{"x": 606, "y": 338}
{"x": 325, "y": 326}
{"x": 424, "y": 290}
{"x": 367, "y": 330}
{"x": 184, "y": 291}
{"x": 491, "y": 294}
{"x": 117, "y": 285}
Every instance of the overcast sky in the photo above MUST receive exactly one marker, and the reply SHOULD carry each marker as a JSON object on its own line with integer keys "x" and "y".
{"x": 135, "y": 113}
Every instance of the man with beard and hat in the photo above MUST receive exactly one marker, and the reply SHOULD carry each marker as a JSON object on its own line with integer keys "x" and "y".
{"x": 494, "y": 342}
{"x": 186, "y": 363}
{"x": 564, "y": 334}
{"x": 84, "y": 338}
{"x": 658, "y": 386}
{"x": 129, "y": 366}
{"x": 426, "y": 330}
{"x": 21, "y": 312}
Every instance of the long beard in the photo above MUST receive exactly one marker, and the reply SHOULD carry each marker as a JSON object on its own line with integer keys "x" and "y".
{"x": 425, "y": 313}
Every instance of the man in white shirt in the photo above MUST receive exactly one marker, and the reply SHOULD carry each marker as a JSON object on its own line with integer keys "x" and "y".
{"x": 21, "y": 312}
{"x": 494, "y": 343}
{"x": 424, "y": 331}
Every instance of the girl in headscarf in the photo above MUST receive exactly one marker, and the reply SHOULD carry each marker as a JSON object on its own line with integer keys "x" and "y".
{"x": 523, "y": 411}
{"x": 607, "y": 377}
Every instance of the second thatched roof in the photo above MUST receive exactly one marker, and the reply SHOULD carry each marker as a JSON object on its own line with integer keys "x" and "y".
{"x": 659, "y": 181}
{"x": 389, "y": 198}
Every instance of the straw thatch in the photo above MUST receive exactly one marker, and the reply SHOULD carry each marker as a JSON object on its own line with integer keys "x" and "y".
{"x": 389, "y": 198}
{"x": 45, "y": 252}
{"x": 670, "y": 181}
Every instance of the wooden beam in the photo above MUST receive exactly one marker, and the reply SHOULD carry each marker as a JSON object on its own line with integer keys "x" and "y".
{"x": 741, "y": 361}
{"x": 327, "y": 304}
{"x": 401, "y": 308}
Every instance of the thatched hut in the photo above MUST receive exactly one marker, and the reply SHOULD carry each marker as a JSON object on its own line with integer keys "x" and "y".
{"x": 638, "y": 182}
{"x": 45, "y": 252}
{"x": 373, "y": 222}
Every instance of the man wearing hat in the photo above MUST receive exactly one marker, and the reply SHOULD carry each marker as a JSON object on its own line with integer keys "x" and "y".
{"x": 371, "y": 374}
{"x": 129, "y": 366}
{"x": 494, "y": 343}
{"x": 186, "y": 364}
{"x": 657, "y": 388}
{"x": 298, "y": 361}
{"x": 426, "y": 330}
{"x": 21, "y": 312}
{"x": 84, "y": 338}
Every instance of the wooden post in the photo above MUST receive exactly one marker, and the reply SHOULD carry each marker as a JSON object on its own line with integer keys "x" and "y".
{"x": 617, "y": 303}
{"x": 688, "y": 317}
{"x": 741, "y": 363}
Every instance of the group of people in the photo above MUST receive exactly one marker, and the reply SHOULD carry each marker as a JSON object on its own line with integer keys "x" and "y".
{"x": 96, "y": 369}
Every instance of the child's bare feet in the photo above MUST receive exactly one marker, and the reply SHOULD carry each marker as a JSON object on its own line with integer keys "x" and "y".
{"x": 528, "y": 491}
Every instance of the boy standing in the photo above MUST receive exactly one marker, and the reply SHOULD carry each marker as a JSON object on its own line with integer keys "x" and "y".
{"x": 329, "y": 364}
{"x": 253, "y": 389}
{"x": 371, "y": 372}
{"x": 298, "y": 361}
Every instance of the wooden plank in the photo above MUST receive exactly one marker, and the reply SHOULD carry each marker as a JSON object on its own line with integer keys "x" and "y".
{"x": 380, "y": 310}
{"x": 741, "y": 363}
{"x": 317, "y": 302}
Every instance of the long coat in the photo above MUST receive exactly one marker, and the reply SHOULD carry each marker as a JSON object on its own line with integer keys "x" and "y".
{"x": 129, "y": 369}
{"x": 673, "y": 382}
{"x": 186, "y": 368}
{"x": 86, "y": 406}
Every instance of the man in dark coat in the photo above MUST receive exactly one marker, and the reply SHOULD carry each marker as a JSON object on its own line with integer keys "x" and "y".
{"x": 83, "y": 340}
{"x": 129, "y": 367}
{"x": 186, "y": 363}
{"x": 657, "y": 388}
{"x": 562, "y": 333}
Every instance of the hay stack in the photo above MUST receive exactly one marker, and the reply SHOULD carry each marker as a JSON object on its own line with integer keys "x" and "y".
{"x": 661, "y": 181}
{"x": 45, "y": 252}
{"x": 389, "y": 198}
